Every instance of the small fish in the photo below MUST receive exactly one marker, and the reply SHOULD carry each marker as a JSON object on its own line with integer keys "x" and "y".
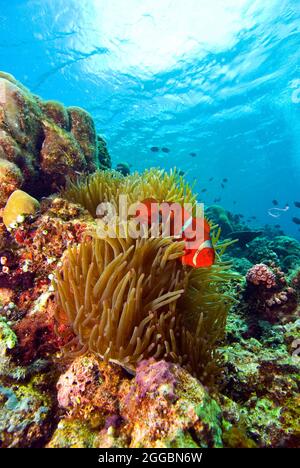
{"x": 193, "y": 154}
{"x": 277, "y": 226}
{"x": 154, "y": 149}
{"x": 234, "y": 202}
{"x": 275, "y": 202}
{"x": 297, "y": 204}
{"x": 211, "y": 179}
{"x": 165, "y": 150}
{"x": 222, "y": 185}
{"x": 225, "y": 180}
{"x": 253, "y": 217}
{"x": 204, "y": 190}
{"x": 181, "y": 173}
{"x": 296, "y": 220}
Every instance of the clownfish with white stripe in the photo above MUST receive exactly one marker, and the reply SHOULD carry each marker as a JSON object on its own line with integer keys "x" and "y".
{"x": 202, "y": 254}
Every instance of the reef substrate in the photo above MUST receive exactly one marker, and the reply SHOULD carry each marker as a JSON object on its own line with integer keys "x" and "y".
{"x": 52, "y": 399}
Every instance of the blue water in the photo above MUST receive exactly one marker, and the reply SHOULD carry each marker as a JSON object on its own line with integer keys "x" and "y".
{"x": 219, "y": 78}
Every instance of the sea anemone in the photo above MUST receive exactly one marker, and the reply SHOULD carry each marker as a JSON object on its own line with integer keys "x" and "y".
{"x": 120, "y": 297}
{"x": 107, "y": 186}
{"x": 131, "y": 299}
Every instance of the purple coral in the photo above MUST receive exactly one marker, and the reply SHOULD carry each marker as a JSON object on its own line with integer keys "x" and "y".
{"x": 151, "y": 375}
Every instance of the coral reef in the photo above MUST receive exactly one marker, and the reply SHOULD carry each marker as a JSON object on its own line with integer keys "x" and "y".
{"x": 269, "y": 294}
{"x": 209, "y": 357}
{"x": 221, "y": 217}
{"x": 42, "y": 143}
{"x": 163, "y": 406}
{"x": 103, "y": 154}
{"x": 166, "y": 407}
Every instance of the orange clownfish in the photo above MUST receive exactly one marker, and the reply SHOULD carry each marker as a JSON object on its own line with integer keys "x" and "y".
{"x": 202, "y": 253}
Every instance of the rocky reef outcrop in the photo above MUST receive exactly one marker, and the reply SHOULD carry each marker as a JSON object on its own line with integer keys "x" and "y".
{"x": 42, "y": 142}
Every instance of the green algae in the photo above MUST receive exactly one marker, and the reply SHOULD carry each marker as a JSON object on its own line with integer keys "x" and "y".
{"x": 7, "y": 335}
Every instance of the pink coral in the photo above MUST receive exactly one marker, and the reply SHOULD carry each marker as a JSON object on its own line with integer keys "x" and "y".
{"x": 261, "y": 274}
{"x": 268, "y": 293}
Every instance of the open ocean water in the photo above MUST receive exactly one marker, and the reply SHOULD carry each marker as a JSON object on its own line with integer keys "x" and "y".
{"x": 215, "y": 83}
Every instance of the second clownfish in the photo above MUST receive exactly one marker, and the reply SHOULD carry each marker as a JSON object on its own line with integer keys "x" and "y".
{"x": 202, "y": 254}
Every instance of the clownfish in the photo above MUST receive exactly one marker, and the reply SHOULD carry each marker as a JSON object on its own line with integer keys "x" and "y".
{"x": 203, "y": 254}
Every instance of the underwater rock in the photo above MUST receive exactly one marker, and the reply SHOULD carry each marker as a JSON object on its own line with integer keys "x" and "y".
{"x": 123, "y": 168}
{"x": 20, "y": 116}
{"x": 241, "y": 265}
{"x": 244, "y": 237}
{"x": 164, "y": 406}
{"x": 37, "y": 338}
{"x": 24, "y": 416}
{"x": 56, "y": 112}
{"x": 285, "y": 246}
{"x": 10, "y": 180}
{"x": 259, "y": 251}
{"x": 88, "y": 390}
{"x": 25, "y": 402}
{"x": 259, "y": 398}
{"x": 60, "y": 153}
{"x": 19, "y": 204}
{"x": 78, "y": 384}
{"x": 284, "y": 251}
{"x": 103, "y": 154}
{"x": 72, "y": 434}
{"x": 42, "y": 142}
{"x": 168, "y": 408}
{"x": 83, "y": 129}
